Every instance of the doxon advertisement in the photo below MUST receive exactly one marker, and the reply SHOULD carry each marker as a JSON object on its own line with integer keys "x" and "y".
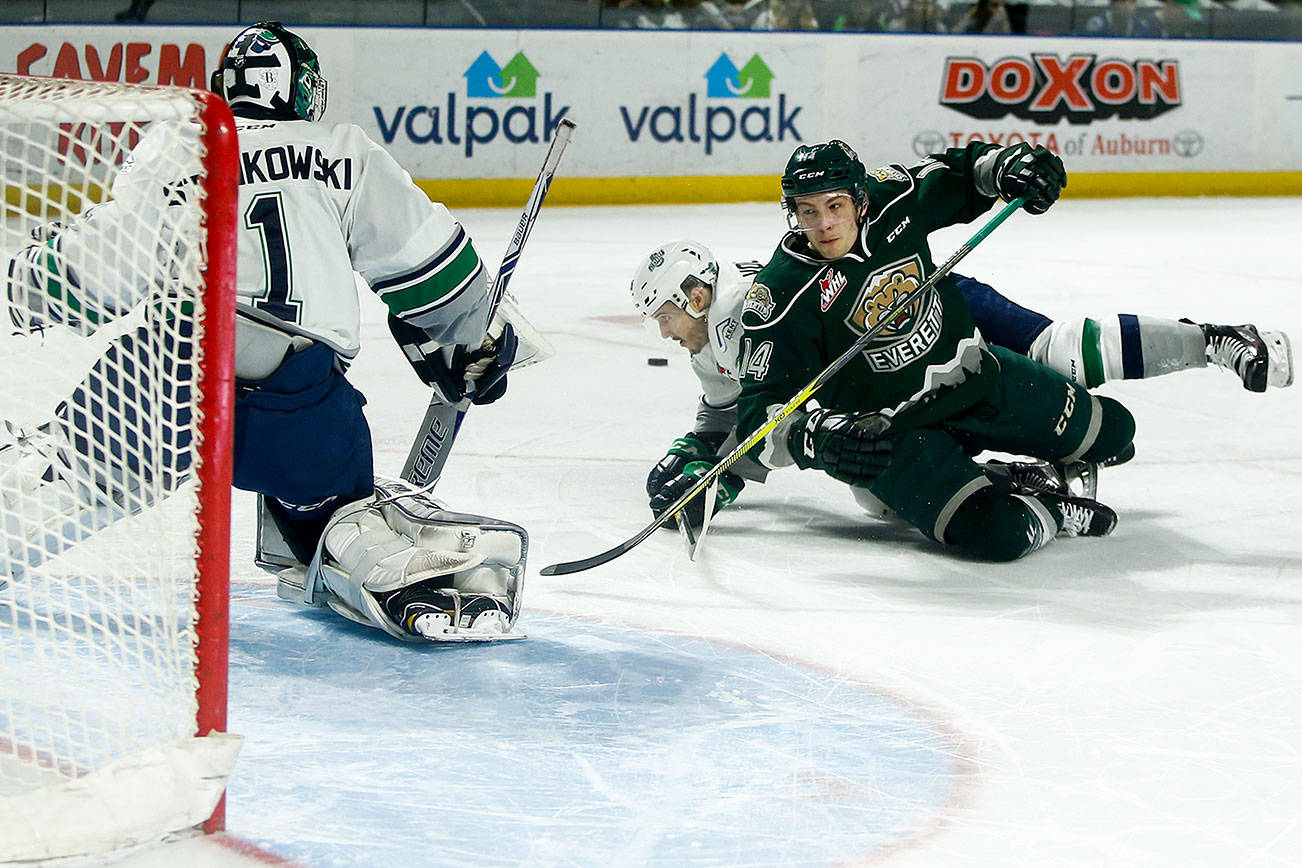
{"x": 481, "y": 104}
{"x": 1114, "y": 106}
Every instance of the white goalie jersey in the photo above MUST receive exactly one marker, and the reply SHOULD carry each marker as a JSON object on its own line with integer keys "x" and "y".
{"x": 304, "y": 187}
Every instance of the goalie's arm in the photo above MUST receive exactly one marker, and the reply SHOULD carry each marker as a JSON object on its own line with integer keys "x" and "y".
{"x": 80, "y": 274}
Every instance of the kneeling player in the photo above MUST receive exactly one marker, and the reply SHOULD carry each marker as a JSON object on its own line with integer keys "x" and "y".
{"x": 695, "y": 300}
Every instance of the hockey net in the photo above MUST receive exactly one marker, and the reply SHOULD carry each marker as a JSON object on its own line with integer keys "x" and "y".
{"x": 117, "y": 255}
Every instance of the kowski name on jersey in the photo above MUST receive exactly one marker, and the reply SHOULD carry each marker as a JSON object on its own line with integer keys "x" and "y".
{"x": 303, "y": 186}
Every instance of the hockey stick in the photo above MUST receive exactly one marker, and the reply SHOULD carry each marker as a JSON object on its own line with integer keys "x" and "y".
{"x": 788, "y": 408}
{"x": 429, "y": 451}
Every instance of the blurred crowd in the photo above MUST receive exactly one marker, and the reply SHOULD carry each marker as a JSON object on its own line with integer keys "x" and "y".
{"x": 1241, "y": 19}
{"x": 1137, "y": 18}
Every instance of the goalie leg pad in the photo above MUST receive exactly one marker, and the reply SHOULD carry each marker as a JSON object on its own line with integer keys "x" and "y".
{"x": 50, "y": 500}
{"x": 402, "y": 562}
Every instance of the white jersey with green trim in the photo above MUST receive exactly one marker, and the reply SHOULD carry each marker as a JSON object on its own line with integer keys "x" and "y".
{"x": 715, "y": 365}
{"x": 321, "y": 201}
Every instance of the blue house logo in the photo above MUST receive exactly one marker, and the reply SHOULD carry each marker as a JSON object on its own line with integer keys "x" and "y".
{"x": 752, "y": 81}
{"x": 770, "y": 119}
{"x": 472, "y": 124}
{"x": 484, "y": 78}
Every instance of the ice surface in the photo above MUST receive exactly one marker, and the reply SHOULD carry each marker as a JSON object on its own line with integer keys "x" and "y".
{"x": 821, "y": 688}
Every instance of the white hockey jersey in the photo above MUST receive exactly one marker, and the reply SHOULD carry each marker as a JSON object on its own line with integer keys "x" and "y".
{"x": 715, "y": 365}
{"x": 319, "y": 201}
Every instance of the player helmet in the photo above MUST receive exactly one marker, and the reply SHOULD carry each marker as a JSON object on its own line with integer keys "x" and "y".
{"x": 669, "y": 272}
{"x": 822, "y": 168}
{"x": 269, "y": 73}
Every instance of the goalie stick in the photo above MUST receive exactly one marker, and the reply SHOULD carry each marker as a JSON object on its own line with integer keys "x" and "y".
{"x": 709, "y": 479}
{"x": 429, "y": 451}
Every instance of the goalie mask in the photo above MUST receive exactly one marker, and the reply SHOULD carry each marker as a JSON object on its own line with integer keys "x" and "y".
{"x": 669, "y": 273}
{"x": 268, "y": 73}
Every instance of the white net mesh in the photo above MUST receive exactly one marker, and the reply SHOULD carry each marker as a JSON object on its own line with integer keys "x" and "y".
{"x": 102, "y": 253}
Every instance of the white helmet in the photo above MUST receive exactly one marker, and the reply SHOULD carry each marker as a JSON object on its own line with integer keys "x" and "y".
{"x": 269, "y": 73}
{"x": 669, "y": 272}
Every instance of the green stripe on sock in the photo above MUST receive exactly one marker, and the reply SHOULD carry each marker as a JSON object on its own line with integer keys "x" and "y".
{"x": 1092, "y": 353}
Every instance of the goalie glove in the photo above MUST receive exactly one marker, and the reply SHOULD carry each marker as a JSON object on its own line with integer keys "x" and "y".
{"x": 1036, "y": 173}
{"x": 848, "y": 447}
{"x": 453, "y": 373}
{"x": 692, "y": 446}
{"x": 730, "y": 485}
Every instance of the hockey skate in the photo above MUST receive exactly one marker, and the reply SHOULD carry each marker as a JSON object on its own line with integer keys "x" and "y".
{"x": 1036, "y": 475}
{"x": 448, "y": 615}
{"x": 1073, "y": 479}
{"x": 1080, "y": 516}
{"x": 1259, "y": 358}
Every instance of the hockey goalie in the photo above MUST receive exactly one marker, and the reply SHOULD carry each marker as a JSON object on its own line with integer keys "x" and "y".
{"x": 323, "y": 210}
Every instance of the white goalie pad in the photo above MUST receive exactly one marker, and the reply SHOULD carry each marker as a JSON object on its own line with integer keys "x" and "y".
{"x": 402, "y": 562}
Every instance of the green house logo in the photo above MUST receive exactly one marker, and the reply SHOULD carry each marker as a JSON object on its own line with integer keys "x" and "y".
{"x": 725, "y": 80}
{"x": 517, "y": 80}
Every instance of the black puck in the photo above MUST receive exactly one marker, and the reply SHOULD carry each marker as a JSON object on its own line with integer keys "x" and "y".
{"x": 657, "y": 362}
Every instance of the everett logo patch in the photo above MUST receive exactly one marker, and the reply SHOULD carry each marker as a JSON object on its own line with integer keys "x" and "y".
{"x": 759, "y": 301}
{"x": 912, "y": 331}
{"x": 887, "y": 173}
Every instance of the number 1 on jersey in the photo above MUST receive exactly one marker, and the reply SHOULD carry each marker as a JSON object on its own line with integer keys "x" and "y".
{"x": 266, "y": 214}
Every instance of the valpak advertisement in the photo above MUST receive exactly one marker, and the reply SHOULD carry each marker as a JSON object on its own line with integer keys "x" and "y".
{"x": 482, "y": 104}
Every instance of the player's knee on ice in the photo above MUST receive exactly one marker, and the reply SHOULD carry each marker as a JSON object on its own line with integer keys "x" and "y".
{"x": 1116, "y": 431}
{"x": 997, "y": 525}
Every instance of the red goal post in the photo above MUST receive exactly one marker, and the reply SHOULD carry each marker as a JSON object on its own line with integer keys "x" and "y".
{"x": 117, "y": 261}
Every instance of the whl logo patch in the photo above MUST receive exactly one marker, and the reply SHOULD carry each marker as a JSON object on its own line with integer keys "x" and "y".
{"x": 752, "y": 81}
{"x": 1045, "y": 88}
{"x": 829, "y": 287}
{"x": 472, "y": 123}
{"x": 770, "y": 118}
{"x": 518, "y": 79}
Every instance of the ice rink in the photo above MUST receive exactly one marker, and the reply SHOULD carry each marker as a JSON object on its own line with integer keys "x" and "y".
{"x": 820, "y": 688}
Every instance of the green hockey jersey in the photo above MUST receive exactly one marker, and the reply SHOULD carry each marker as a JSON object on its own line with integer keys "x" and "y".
{"x": 803, "y": 311}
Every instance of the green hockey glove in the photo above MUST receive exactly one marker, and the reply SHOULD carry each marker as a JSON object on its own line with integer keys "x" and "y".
{"x": 730, "y": 485}
{"x": 692, "y": 446}
{"x": 1036, "y": 173}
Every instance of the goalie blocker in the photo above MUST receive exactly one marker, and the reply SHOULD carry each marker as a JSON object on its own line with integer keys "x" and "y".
{"x": 401, "y": 562}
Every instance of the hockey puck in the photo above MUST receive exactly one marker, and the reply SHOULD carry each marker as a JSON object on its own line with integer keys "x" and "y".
{"x": 657, "y": 362}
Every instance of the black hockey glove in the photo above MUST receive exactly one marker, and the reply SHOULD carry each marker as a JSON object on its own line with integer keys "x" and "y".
{"x": 451, "y": 374}
{"x": 848, "y": 447}
{"x": 730, "y": 485}
{"x": 1036, "y": 173}
{"x": 692, "y": 446}
{"x": 486, "y": 367}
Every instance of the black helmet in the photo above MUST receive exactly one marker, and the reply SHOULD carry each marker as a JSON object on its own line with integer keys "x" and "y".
{"x": 821, "y": 168}
{"x": 272, "y": 74}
